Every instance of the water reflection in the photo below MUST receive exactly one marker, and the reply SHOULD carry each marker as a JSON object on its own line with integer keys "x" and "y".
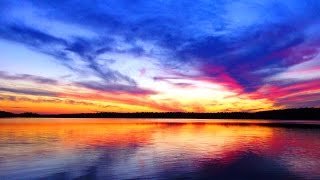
{"x": 126, "y": 149}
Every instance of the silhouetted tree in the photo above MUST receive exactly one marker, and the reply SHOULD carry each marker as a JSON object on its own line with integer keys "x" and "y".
{"x": 283, "y": 114}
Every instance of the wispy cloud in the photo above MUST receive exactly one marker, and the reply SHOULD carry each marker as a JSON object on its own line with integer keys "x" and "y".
{"x": 29, "y": 91}
{"x": 116, "y": 88}
{"x": 27, "y": 77}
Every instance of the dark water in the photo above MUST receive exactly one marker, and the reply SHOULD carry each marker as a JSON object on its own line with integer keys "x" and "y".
{"x": 157, "y": 149}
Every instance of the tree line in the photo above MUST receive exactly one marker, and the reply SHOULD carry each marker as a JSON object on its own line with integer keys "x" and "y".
{"x": 285, "y": 114}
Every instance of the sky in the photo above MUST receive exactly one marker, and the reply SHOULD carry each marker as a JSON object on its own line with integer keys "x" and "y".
{"x": 159, "y": 56}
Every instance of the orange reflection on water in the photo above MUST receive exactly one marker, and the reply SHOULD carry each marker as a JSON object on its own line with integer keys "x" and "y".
{"x": 209, "y": 140}
{"x": 194, "y": 140}
{"x": 146, "y": 146}
{"x": 77, "y": 133}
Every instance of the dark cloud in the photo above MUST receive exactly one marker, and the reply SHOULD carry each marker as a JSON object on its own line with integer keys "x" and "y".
{"x": 28, "y": 77}
{"x": 28, "y": 36}
{"x": 29, "y": 91}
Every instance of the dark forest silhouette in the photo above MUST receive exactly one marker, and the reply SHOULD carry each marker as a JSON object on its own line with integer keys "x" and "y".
{"x": 289, "y": 114}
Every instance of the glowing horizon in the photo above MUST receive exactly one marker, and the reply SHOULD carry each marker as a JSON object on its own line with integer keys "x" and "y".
{"x": 159, "y": 56}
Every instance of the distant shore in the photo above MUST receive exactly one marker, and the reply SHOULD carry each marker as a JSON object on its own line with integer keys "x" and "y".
{"x": 283, "y": 114}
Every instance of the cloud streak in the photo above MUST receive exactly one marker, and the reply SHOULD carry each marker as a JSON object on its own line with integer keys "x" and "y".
{"x": 28, "y": 77}
{"x": 29, "y": 91}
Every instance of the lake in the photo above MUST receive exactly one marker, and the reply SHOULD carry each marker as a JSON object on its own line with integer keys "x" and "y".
{"x": 158, "y": 149}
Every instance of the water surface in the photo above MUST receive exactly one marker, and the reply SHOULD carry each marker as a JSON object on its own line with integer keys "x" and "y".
{"x": 158, "y": 149}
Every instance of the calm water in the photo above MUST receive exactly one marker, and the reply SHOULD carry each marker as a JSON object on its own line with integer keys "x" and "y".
{"x": 157, "y": 149}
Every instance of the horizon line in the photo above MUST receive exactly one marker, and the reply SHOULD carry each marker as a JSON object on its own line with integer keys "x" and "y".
{"x": 250, "y": 112}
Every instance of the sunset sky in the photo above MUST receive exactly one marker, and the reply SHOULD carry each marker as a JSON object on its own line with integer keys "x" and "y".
{"x": 159, "y": 55}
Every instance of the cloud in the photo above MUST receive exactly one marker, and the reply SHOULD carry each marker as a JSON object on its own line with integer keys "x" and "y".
{"x": 88, "y": 51}
{"x": 26, "y": 91}
{"x": 28, "y": 36}
{"x": 115, "y": 88}
{"x": 62, "y": 50}
{"x": 53, "y": 100}
{"x": 295, "y": 94}
{"x": 28, "y": 77}
{"x": 307, "y": 70}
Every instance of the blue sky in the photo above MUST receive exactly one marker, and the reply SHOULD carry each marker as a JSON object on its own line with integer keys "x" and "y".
{"x": 263, "y": 51}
